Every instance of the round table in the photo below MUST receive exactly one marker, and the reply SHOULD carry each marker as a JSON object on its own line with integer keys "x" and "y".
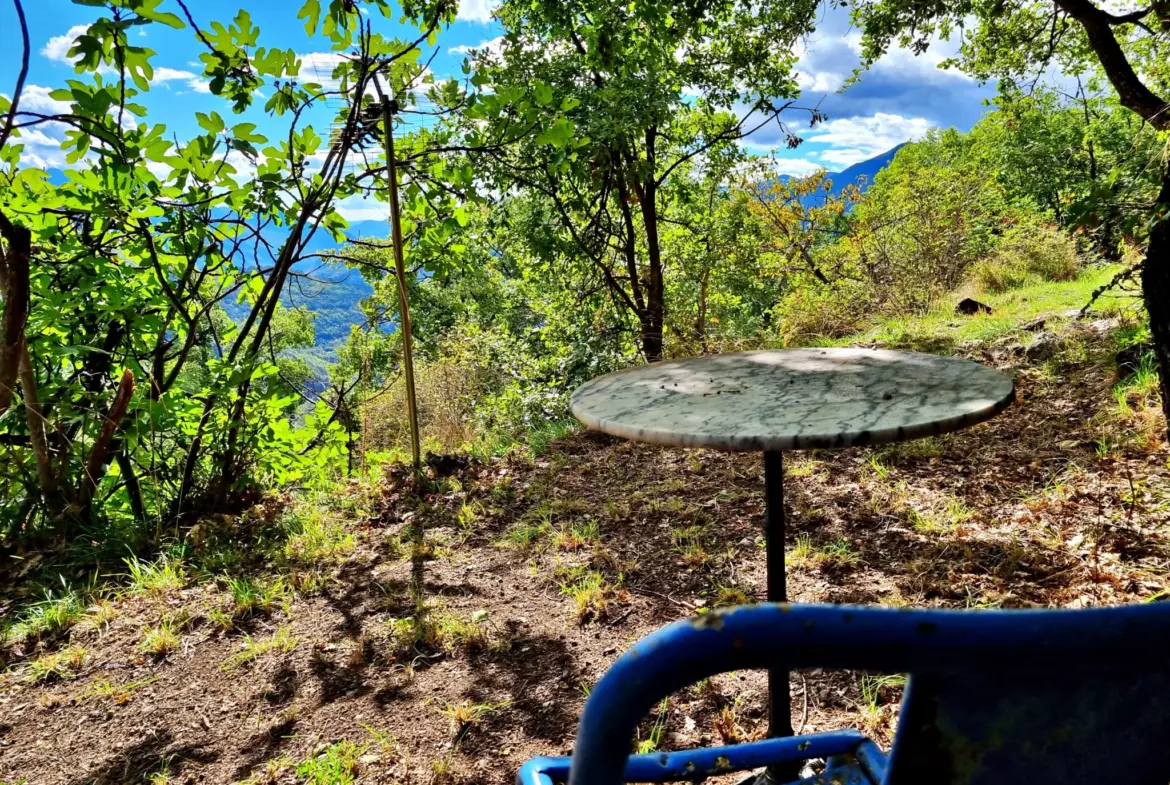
{"x": 774, "y": 400}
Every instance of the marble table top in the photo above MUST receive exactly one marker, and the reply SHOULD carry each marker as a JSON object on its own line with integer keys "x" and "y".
{"x": 793, "y": 399}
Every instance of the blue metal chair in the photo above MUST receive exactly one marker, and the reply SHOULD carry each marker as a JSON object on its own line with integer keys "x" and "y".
{"x": 993, "y": 697}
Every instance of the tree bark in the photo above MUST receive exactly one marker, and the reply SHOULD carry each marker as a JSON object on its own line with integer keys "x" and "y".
{"x": 50, "y": 487}
{"x": 133, "y": 486}
{"x": 1156, "y": 287}
{"x": 701, "y": 319}
{"x": 655, "y": 288}
{"x": 95, "y": 465}
{"x": 15, "y": 259}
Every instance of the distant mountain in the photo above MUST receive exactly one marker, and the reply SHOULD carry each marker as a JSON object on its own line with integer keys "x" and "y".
{"x": 867, "y": 169}
{"x": 860, "y": 174}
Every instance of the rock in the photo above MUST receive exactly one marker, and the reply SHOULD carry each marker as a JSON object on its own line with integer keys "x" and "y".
{"x": 1129, "y": 359}
{"x": 1036, "y": 325}
{"x": 969, "y": 307}
{"x": 747, "y": 542}
{"x": 1043, "y": 348}
{"x": 1104, "y": 326}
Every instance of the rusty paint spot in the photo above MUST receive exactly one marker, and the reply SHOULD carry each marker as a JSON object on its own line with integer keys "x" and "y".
{"x": 663, "y": 759}
{"x": 804, "y": 745}
{"x": 690, "y": 767}
{"x": 722, "y": 763}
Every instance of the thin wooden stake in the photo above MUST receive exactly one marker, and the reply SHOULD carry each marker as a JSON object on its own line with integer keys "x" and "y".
{"x": 400, "y": 269}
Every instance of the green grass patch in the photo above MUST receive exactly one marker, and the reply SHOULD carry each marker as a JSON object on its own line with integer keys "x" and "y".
{"x": 337, "y": 764}
{"x": 941, "y": 330}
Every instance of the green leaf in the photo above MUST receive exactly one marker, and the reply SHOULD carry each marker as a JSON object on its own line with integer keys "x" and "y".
{"x": 311, "y": 13}
{"x": 212, "y": 123}
{"x": 245, "y": 132}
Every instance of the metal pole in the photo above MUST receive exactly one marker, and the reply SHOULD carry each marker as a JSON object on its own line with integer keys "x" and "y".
{"x": 400, "y": 269}
{"x": 779, "y": 700}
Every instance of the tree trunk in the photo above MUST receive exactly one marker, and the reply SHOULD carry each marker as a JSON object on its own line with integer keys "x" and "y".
{"x": 1156, "y": 287}
{"x": 701, "y": 319}
{"x": 655, "y": 294}
{"x": 34, "y": 416}
{"x": 95, "y": 464}
{"x": 15, "y": 274}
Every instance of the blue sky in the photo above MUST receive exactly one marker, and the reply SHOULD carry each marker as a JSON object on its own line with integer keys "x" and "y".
{"x": 901, "y": 98}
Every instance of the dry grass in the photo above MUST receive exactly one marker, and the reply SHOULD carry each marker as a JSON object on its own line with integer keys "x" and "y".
{"x": 443, "y": 391}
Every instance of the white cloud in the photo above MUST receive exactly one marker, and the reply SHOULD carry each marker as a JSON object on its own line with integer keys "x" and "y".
{"x": 41, "y": 151}
{"x": 846, "y": 157}
{"x": 854, "y": 139}
{"x": 36, "y": 99}
{"x": 193, "y": 80}
{"x": 491, "y": 46}
{"x": 59, "y": 45}
{"x": 165, "y": 74}
{"x": 797, "y": 167}
{"x": 819, "y": 82}
{"x": 925, "y": 68}
{"x": 477, "y": 10}
{"x": 360, "y": 207}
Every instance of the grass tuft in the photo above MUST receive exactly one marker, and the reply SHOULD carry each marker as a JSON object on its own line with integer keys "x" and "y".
{"x": 467, "y": 715}
{"x": 63, "y": 664}
{"x": 592, "y": 595}
{"x": 336, "y": 764}
{"x": 251, "y": 649}
{"x": 836, "y": 554}
{"x": 160, "y": 577}
{"x": 161, "y": 640}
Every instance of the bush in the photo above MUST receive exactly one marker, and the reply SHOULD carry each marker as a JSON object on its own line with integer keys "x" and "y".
{"x": 445, "y": 391}
{"x": 1028, "y": 254}
{"x": 996, "y": 275}
{"x": 814, "y": 310}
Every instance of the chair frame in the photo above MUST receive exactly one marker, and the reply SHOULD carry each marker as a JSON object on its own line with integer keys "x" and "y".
{"x": 837, "y": 637}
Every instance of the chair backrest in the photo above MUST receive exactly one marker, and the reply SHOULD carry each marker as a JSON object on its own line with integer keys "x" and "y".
{"x": 1003, "y": 697}
{"x": 1060, "y": 725}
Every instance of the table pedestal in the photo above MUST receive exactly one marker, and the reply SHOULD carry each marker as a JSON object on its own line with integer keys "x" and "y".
{"x": 779, "y": 700}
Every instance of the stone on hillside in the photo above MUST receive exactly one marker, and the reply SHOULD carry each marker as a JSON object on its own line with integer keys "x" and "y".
{"x": 1037, "y": 325}
{"x": 1043, "y": 348}
{"x": 969, "y": 307}
{"x": 1104, "y": 326}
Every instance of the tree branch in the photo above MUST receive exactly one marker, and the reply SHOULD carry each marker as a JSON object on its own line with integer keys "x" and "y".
{"x": 11, "y": 118}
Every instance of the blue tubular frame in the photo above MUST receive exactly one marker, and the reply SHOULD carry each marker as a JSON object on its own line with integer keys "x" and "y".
{"x": 709, "y": 761}
{"x": 844, "y": 637}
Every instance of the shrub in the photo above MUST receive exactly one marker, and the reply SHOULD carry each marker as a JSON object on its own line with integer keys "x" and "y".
{"x": 815, "y": 310}
{"x": 995, "y": 275}
{"x": 444, "y": 390}
{"x": 1029, "y": 253}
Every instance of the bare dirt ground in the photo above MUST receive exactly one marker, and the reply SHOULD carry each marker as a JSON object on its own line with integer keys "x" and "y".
{"x": 537, "y": 574}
